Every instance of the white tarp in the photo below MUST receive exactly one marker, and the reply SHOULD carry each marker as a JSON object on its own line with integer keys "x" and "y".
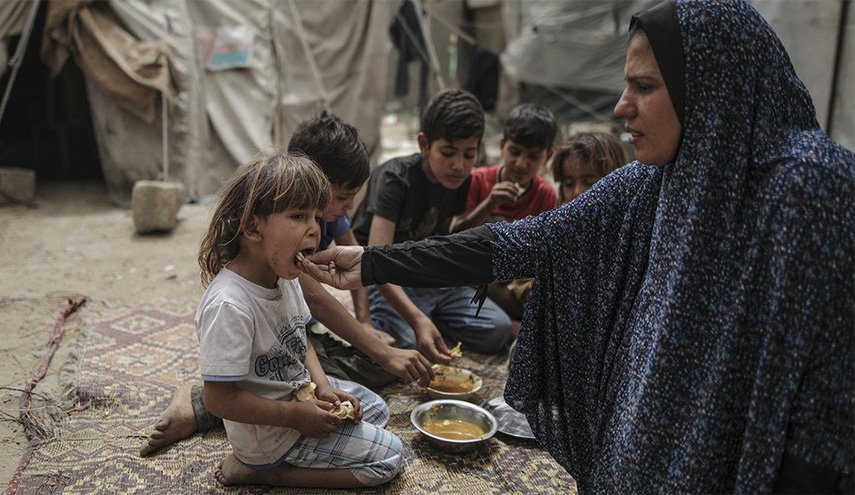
{"x": 578, "y": 44}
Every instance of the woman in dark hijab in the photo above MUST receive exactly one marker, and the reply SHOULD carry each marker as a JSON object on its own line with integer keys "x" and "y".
{"x": 691, "y": 323}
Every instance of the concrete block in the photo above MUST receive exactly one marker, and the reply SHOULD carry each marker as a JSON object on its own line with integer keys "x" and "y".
{"x": 17, "y": 185}
{"x": 155, "y": 205}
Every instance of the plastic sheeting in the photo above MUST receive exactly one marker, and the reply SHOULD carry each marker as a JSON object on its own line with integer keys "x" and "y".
{"x": 579, "y": 44}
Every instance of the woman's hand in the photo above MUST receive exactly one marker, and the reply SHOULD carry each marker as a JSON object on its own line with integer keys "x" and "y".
{"x": 339, "y": 266}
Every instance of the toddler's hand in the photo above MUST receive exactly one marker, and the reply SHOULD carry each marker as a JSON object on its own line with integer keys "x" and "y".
{"x": 314, "y": 419}
{"x": 337, "y": 396}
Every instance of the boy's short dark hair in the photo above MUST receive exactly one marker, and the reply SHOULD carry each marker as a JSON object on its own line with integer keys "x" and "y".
{"x": 335, "y": 147}
{"x": 453, "y": 114}
{"x": 531, "y": 126}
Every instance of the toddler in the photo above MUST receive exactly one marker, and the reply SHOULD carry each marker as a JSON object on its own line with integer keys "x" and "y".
{"x": 254, "y": 355}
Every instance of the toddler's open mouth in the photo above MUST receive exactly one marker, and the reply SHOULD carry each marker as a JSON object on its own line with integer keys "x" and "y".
{"x": 302, "y": 254}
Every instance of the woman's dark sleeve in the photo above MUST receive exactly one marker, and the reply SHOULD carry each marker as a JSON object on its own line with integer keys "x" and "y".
{"x": 441, "y": 261}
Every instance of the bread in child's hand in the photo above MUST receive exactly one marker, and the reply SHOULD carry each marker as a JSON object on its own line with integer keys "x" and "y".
{"x": 345, "y": 411}
{"x": 306, "y": 392}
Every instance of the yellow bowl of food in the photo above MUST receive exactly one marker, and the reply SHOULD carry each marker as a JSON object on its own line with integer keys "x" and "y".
{"x": 451, "y": 382}
{"x": 454, "y": 425}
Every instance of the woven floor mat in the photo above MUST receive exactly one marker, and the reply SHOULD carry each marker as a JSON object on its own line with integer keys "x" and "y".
{"x": 134, "y": 359}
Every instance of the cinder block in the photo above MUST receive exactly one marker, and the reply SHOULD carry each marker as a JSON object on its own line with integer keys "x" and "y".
{"x": 17, "y": 185}
{"x": 155, "y": 205}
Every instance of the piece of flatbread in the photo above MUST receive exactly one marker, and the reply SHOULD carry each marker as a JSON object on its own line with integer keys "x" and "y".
{"x": 306, "y": 392}
{"x": 300, "y": 257}
{"x": 455, "y": 351}
{"x": 345, "y": 411}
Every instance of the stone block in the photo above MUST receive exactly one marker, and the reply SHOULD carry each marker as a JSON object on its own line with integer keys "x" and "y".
{"x": 17, "y": 185}
{"x": 155, "y": 205}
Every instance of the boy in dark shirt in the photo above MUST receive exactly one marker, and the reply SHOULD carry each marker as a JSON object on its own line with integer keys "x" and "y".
{"x": 416, "y": 196}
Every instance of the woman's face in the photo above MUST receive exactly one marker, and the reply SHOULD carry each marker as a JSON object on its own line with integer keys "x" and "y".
{"x": 646, "y": 106}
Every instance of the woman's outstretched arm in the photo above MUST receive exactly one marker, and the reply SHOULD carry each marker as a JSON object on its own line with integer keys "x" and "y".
{"x": 440, "y": 261}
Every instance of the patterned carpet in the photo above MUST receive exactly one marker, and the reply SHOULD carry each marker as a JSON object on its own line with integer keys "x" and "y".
{"x": 127, "y": 369}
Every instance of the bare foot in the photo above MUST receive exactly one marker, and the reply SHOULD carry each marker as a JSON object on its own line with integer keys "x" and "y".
{"x": 233, "y": 472}
{"x": 177, "y": 422}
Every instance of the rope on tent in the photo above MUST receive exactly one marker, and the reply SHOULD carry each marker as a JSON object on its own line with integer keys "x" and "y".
{"x": 600, "y": 117}
{"x": 434, "y": 59}
{"x": 310, "y": 56}
{"x": 16, "y": 60}
{"x": 412, "y": 36}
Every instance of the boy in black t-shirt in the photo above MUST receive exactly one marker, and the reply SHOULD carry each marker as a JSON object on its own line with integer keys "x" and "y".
{"x": 416, "y": 196}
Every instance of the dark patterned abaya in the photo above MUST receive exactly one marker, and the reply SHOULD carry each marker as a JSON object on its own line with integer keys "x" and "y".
{"x": 691, "y": 325}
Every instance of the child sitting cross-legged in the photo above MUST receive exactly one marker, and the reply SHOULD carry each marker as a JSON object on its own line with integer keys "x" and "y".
{"x": 254, "y": 355}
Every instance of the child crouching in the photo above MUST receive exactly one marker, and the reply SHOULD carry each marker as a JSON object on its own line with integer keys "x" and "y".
{"x": 254, "y": 354}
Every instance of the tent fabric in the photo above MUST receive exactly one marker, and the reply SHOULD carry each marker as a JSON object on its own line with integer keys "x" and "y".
{"x": 221, "y": 118}
{"x": 135, "y": 74}
{"x": 578, "y": 44}
{"x": 13, "y": 16}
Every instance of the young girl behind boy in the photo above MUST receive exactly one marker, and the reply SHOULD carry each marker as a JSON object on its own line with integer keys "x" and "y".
{"x": 583, "y": 159}
{"x": 254, "y": 355}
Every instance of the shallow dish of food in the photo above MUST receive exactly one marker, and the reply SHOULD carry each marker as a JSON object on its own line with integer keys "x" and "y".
{"x": 451, "y": 382}
{"x": 454, "y": 425}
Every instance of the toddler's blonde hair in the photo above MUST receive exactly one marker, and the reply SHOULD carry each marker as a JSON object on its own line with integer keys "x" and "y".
{"x": 273, "y": 181}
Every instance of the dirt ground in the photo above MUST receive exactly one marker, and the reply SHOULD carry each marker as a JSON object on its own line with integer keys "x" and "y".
{"x": 76, "y": 241}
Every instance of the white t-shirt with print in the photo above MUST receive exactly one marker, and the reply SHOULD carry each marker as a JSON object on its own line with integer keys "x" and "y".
{"x": 255, "y": 337}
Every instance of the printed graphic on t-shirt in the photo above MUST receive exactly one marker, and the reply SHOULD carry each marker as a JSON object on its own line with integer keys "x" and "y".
{"x": 284, "y": 361}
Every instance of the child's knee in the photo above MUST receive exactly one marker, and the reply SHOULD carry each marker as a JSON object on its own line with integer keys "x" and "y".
{"x": 374, "y": 408}
{"x": 493, "y": 340}
{"x": 386, "y": 466}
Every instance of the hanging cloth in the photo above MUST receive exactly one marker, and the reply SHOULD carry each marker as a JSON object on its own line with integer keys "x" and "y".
{"x": 133, "y": 73}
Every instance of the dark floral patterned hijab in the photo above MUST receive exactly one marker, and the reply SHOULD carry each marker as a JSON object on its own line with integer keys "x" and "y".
{"x": 692, "y": 324}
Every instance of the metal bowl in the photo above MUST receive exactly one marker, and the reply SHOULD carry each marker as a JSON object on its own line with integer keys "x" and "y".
{"x": 437, "y": 410}
{"x": 459, "y": 375}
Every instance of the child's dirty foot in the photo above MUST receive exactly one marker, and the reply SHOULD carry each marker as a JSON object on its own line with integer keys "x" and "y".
{"x": 233, "y": 472}
{"x": 176, "y": 423}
